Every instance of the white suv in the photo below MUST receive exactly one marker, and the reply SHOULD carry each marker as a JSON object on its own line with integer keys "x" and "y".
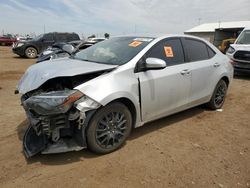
{"x": 239, "y": 52}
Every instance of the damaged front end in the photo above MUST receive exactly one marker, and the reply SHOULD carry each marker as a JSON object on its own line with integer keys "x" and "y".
{"x": 57, "y": 121}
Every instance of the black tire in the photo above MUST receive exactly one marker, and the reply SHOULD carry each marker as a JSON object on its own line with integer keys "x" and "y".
{"x": 30, "y": 52}
{"x": 109, "y": 128}
{"x": 218, "y": 98}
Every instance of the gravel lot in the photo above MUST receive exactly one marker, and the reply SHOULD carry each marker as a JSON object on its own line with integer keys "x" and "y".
{"x": 195, "y": 148}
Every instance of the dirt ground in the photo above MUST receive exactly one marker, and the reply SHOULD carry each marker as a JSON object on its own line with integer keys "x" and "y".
{"x": 195, "y": 148}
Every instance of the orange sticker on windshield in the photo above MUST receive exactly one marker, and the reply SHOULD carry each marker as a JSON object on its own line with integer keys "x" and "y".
{"x": 168, "y": 51}
{"x": 135, "y": 43}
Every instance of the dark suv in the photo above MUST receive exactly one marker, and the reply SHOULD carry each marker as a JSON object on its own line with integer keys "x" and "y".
{"x": 35, "y": 46}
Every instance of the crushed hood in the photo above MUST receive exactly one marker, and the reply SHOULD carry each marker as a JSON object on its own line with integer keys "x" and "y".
{"x": 38, "y": 74}
{"x": 243, "y": 47}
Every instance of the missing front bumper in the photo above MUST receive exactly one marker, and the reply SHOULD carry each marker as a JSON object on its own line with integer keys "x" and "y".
{"x": 34, "y": 144}
{"x": 56, "y": 130}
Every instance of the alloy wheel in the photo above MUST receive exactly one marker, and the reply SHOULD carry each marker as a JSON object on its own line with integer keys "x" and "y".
{"x": 111, "y": 129}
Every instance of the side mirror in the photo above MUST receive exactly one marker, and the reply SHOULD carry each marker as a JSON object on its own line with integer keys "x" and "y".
{"x": 155, "y": 63}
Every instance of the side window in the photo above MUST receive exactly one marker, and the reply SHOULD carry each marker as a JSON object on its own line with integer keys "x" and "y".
{"x": 211, "y": 53}
{"x": 61, "y": 37}
{"x": 169, "y": 50}
{"x": 74, "y": 37}
{"x": 48, "y": 38}
{"x": 70, "y": 38}
{"x": 196, "y": 50}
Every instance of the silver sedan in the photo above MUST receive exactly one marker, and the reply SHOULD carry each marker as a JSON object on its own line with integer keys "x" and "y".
{"x": 95, "y": 97}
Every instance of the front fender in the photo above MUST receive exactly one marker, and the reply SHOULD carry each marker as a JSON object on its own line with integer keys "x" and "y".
{"x": 112, "y": 86}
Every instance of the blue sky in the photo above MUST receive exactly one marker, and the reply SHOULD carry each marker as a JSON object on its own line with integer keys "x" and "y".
{"x": 116, "y": 16}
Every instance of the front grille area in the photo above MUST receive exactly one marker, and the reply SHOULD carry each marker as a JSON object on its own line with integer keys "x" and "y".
{"x": 241, "y": 65}
{"x": 242, "y": 55}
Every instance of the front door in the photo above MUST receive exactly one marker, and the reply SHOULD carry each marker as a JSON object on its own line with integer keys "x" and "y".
{"x": 167, "y": 90}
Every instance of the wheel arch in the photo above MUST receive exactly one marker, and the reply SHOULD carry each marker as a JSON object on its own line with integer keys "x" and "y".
{"x": 226, "y": 79}
{"x": 131, "y": 107}
{"x": 125, "y": 101}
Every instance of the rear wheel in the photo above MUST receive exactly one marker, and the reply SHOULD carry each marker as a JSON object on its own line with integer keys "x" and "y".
{"x": 109, "y": 128}
{"x": 218, "y": 96}
{"x": 30, "y": 52}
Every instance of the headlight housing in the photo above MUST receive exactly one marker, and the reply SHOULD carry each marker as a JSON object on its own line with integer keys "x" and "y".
{"x": 230, "y": 50}
{"x": 19, "y": 44}
{"x": 54, "y": 102}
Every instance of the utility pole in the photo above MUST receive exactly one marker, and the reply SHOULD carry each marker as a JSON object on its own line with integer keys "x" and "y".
{"x": 43, "y": 28}
{"x": 199, "y": 21}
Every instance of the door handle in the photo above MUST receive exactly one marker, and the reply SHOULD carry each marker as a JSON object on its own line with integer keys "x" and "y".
{"x": 216, "y": 65}
{"x": 185, "y": 72}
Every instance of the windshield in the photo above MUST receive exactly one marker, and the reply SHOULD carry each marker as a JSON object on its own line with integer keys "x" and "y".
{"x": 244, "y": 37}
{"x": 114, "y": 51}
{"x": 38, "y": 37}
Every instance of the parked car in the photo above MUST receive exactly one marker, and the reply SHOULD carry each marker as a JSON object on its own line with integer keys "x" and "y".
{"x": 57, "y": 50}
{"x": 7, "y": 40}
{"x": 94, "y": 98}
{"x": 239, "y": 52}
{"x": 60, "y": 50}
{"x": 32, "y": 48}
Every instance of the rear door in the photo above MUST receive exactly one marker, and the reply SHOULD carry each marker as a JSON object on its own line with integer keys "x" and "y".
{"x": 48, "y": 40}
{"x": 167, "y": 90}
{"x": 61, "y": 37}
{"x": 204, "y": 69}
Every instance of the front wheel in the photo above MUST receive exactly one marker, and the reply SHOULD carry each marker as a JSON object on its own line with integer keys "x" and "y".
{"x": 30, "y": 52}
{"x": 218, "y": 96}
{"x": 109, "y": 128}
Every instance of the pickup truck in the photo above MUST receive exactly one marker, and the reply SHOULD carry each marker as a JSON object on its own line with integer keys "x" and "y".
{"x": 7, "y": 40}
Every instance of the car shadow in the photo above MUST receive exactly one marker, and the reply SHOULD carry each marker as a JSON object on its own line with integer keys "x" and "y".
{"x": 166, "y": 121}
{"x": 76, "y": 156}
{"x": 21, "y": 128}
{"x": 19, "y": 57}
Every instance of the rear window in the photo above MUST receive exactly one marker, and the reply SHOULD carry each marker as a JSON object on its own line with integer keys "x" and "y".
{"x": 61, "y": 37}
{"x": 72, "y": 37}
{"x": 196, "y": 50}
{"x": 211, "y": 53}
{"x": 66, "y": 37}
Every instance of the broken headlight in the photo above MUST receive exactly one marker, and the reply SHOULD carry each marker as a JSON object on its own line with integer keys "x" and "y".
{"x": 54, "y": 102}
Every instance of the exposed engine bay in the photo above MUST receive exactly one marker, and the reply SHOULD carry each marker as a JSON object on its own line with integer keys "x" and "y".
{"x": 58, "y": 115}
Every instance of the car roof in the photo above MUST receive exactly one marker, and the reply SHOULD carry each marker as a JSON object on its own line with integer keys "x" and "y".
{"x": 160, "y": 36}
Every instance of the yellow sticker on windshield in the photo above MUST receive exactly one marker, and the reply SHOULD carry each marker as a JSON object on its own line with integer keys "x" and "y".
{"x": 168, "y": 51}
{"x": 135, "y": 44}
